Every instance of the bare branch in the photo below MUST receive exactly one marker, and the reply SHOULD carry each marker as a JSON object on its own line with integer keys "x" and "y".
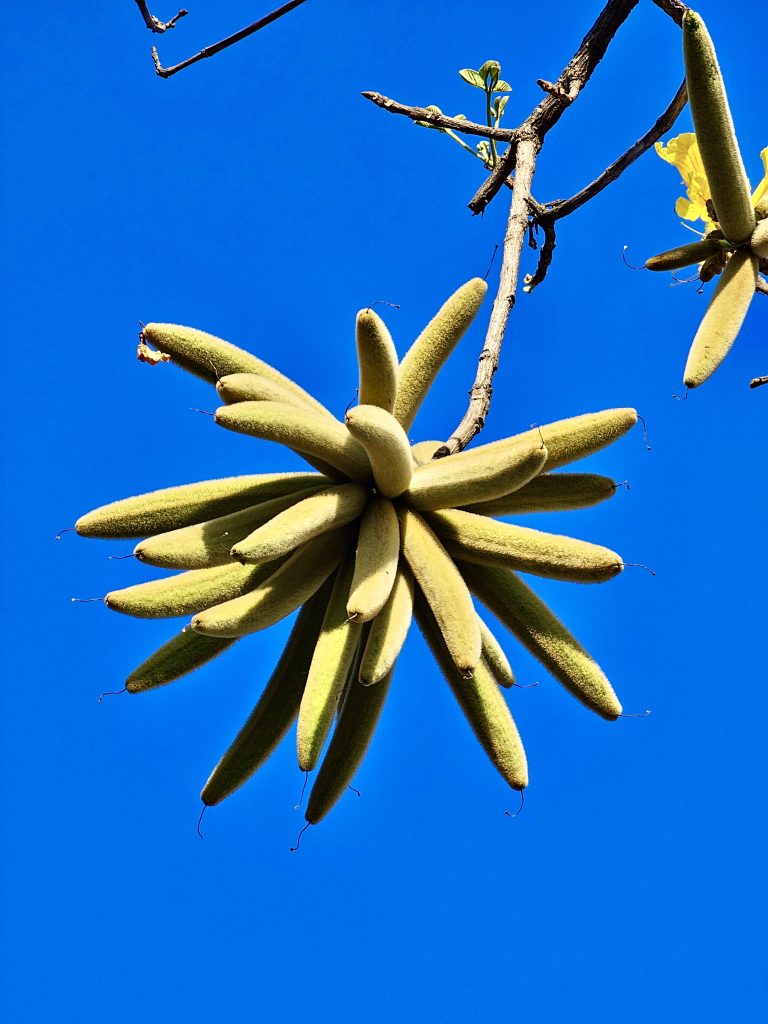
{"x": 762, "y": 286}
{"x": 154, "y": 24}
{"x": 455, "y": 124}
{"x": 210, "y": 51}
{"x": 517, "y": 227}
{"x": 562, "y": 207}
{"x": 673, "y": 8}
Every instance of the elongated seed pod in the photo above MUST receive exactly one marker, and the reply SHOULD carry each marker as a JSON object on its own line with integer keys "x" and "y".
{"x": 426, "y": 356}
{"x": 573, "y": 438}
{"x": 423, "y": 451}
{"x": 482, "y": 703}
{"x": 376, "y": 558}
{"x": 712, "y": 121}
{"x": 276, "y": 708}
{"x": 476, "y": 538}
{"x": 349, "y": 744}
{"x": 175, "y": 507}
{"x": 495, "y": 658}
{"x": 388, "y": 631}
{"x": 759, "y": 240}
{"x": 209, "y": 543}
{"x": 545, "y": 636}
{"x": 254, "y": 387}
{"x": 471, "y": 477}
{"x": 686, "y": 255}
{"x": 723, "y": 318}
{"x": 386, "y": 445}
{"x": 286, "y": 589}
{"x": 187, "y": 592}
{"x": 178, "y": 657}
{"x": 320, "y": 512}
{"x": 445, "y": 590}
{"x": 211, "y": 358}
{"x": 332, "y": 661}
{"x": 550, "y": 492}
{"x": 307, "y": 432}
{"x": 377, "y": 359}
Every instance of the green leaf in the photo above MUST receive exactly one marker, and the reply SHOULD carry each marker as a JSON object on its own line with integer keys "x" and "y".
{"x": 426, "y": 124}
{"x": 498, "y": 106}
{"x": 502, "y": 86}
{"x": 490, "y": 72}
{"x": 473, "y": 78}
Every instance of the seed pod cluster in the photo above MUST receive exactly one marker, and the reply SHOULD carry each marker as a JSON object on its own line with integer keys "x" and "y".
{"x": 735, "y": 248}
{"x": 385, "y": 535}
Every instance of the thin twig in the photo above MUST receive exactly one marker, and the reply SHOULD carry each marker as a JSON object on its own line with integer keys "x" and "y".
{"x": 210, "y": 51}
{"x": 455, "y": 124}
{"x": 762, "y": 286}
{"x": 517, "y": 228}
{"x": 154, "y": 24}
{"x": 674, "y": 8}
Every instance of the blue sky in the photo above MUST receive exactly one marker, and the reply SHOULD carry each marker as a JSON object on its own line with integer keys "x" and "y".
{"x": 258, "y": 196}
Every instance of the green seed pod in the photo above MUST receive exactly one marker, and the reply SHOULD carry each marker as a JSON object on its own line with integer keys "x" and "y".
{"x": 723, "y": 318}
{"x": 351, "y": 738}
{"x": 306, "y": 432}
{"x": 423, "y": 451}
{"x": 207, "y": 544}
{"x": 550, "y": 492}
{"x": 426, "y": 356}
{"x": 188, "y": 592}
{"x": 759, "y": 241}
{"x": 479, "y": 539}
{"x": 332, "y": 663}
{"x": 388, "y": 631}
{"x": 687, "y": 255}
{"x": 320, "y": 512}
{"x": 253, "y": 387}
{"x": 183, "y": 654}
{"x": 482, "y": 702}
{"x": 495, "y": 658}
{"x": 284, "y": 591}
{"x": 727, "y": 178}
{"x": 472, "y": 476}
{"x": 211, "y": 358}
{"x": 378, "y": 552}
{"x": 175, "y": 507}
{"x": 538, "y": 629}
{"x": 377, "y": 359}
{"x": 277, "y": 707}
{"x": 445, "y": 590}
{"x": 386, "y": 444}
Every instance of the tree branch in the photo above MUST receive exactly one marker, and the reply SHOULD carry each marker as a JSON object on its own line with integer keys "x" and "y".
{"x": 210, "y": 51}
{"x": 517, "y": 228}
{"x": 762, "y": 286}
{"x": 455, "y": 124}
{"x": 154, "y": 24}
{"x": 674, "y": 8}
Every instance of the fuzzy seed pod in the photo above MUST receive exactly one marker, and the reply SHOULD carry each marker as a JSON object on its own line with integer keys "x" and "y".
{"x": 332, "y": 663}
{"x": 376, "y": 558}
{"x": 253, "y": 387}
{"x": 174, "y": 507}
{"x": 277, "y": 707}
{"x": 445, "y": 590}
{"x": 426, "y": 356}
{"x": 482, "y": 703}
{"x": 474, "y": 475}
{"x": 723, "y": 165}
{"x": 423, "y": 451}
{"x": 687, "y": 255}
{"x": 209, "y": 357}
{"x": 187, "y": 592}
{"x": 495, "y": 658}
{"x": 723, "y": 318}
{"x": 388, "y": 631}
{"x": 351, "y": 738}
{"x": 284, "y": 591}
{"x": 759, "y": 241}
{"x": 479, "y": 539}
{"x": 550, "y": 492}
{"x": 206, "y": 544}
{"x": 377, "y": 359}
{"x": 307, "y": 432}
{"x": 178, "y": 657}
{"x": 538, "y": 629}
{"x": 320, "y": 512}
{"x": 386, "y": 444}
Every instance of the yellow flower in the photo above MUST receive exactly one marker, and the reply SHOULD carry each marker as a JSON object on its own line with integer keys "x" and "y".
{"x": 683, "y": 153}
